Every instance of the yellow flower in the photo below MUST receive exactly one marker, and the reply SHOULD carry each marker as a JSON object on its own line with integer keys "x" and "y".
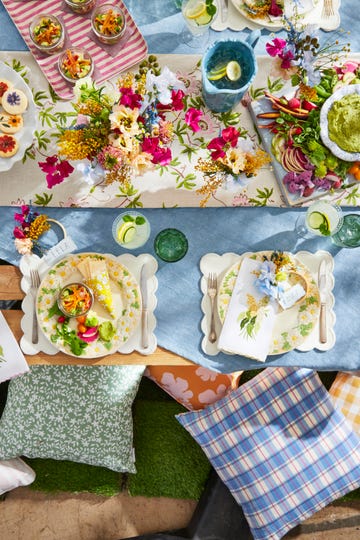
{"x": 73, "y": 145}
{"x": 235, "y": 159}
{"x": 38, "y": 227}
{"x": 125, "y": 120}
{"x": 142, "y": 163}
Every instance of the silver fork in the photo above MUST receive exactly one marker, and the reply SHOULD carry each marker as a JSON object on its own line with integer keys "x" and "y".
{"x": 328, "y": 10}
{"x": 211, "y": 291}
{"x": 34, "y": 285}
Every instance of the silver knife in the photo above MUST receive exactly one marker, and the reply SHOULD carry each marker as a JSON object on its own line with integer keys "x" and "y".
{"x": 322, "y": 284}
{"x": 144, "y": 312}
{"x": 224, "y": 10}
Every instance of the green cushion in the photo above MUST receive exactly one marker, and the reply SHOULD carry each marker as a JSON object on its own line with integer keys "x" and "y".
{"x": 75, "y": 413}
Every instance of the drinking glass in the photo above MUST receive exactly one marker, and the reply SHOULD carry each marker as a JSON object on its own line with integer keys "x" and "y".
{"x": 170, "y": 245}
{"x": 349, "y": 233}
{"x": 321, "y": 219}
{"x": 131, "y": 230}
{"x": 198, "y": 15}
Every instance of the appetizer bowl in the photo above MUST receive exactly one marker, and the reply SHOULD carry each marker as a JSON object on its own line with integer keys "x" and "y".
{"x": 47, "y": 33}
{"x": 108, "y": 23}
{"x": 339, "y": 123}
{"x": 75, "y": 64}
{"x": 75, "y": 299}
{"x": 80, "y": 6}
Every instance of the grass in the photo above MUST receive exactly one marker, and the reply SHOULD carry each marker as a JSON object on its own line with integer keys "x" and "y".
{"x": 169, "y": 462}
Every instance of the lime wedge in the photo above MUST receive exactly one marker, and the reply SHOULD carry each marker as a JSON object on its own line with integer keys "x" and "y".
{"x": 233, "y": 71}
{"x": 318, "y": 221}
{"x": 195, "y": 11}
{"x": 217, "y": 73}
{"x": 204, "y": 18}
{"x": 126, "y": 232}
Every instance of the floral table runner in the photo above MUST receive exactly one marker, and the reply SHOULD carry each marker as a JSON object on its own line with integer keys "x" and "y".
{"x": 181, "y": 182}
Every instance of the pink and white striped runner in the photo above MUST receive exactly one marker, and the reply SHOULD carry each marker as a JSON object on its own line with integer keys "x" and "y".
{"x": 78, "y": 29}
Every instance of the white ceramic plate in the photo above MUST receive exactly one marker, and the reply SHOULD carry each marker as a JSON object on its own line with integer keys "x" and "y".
{"x": 324, "y": 128}
{"x": 126, "y": 295}
{"x": 26, "y": 134}
{"x": 276, "y": 23}
{"x": 292, "y": 326}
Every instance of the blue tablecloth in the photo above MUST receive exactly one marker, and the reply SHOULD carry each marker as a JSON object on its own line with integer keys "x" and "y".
{"x": 218, "y": 230}
{"x": 208, "y": 230}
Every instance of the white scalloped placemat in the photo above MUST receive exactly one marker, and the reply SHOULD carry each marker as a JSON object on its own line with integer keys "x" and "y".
{"x": 132, "y": 262}
{"x": 219, "y": 264}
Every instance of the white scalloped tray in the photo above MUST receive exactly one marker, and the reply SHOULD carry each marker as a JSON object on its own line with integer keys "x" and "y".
{"x": 212, "y": 262}
{"x": 133, "y": 263}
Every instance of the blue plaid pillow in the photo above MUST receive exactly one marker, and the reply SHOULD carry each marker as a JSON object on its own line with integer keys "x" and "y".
{"x": 280, "y": 447}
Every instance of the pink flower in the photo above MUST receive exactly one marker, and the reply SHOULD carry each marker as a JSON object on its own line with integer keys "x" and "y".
{"x": 229, "y": 138}
{"x": 275, "y": 10}
{"x": 19, "y": 233}
{"x": 130, "y": 99}
{"x": 160, "y": 155}
{"x": 276, "y": 47}
{"x": 230, "y": 135}
{"x": 177, "y": 97}
{"x": 56, "y": 170}
{"x": 217, "y": 145}
{"x": 25, "y": 209}
{"x": 192, "y": 118}
{"x": 286, "y": 58}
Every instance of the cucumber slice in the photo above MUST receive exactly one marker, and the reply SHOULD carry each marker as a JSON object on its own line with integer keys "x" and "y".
{"x": 318, "y": 220}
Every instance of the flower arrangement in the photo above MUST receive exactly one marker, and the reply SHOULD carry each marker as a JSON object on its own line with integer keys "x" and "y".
{"x": 231, "y": 154}
{"x": 30, "y": 226}
{"x": 294, "y": 120}
{"x": 122, "y": 132}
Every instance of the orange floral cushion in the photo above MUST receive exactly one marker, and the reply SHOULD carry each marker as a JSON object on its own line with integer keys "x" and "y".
{"x": 195, "y": 387}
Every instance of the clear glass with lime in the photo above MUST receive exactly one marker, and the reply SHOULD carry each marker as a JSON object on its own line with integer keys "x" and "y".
{"x": 321, "y": 219}
{"x": 198, "y": 16}
{"x": 131, "y": 230}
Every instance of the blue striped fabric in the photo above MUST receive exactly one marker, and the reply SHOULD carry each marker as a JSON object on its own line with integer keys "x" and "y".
{"x": 280, "y": 447}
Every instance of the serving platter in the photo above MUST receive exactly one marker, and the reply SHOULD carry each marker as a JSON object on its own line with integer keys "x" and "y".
{"x": 126, "y": 298}
{"x": 25, "y": 135}
{"x": 108, "y": 60}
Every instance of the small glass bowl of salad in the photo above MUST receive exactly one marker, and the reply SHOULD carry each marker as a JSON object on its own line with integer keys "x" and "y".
{"x": 80, "y": 6}
{"x": 47, "y": 33}
{"x": 75, "y": 64}
{"x": 108, "y": 23}
{"x": 75, "y": 299}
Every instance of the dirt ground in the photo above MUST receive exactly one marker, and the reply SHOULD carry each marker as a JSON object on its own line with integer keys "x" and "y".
{"x": 29, "y": 515}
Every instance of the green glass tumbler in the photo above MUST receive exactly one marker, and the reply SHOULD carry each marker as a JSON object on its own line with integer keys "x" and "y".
{"x": 348, "y": 235}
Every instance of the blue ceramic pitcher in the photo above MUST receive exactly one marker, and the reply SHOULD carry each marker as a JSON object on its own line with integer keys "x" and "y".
{"x": 222, "y": 95}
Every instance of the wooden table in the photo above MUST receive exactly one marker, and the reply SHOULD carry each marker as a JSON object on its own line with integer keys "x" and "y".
{"x": 10, "y": 277}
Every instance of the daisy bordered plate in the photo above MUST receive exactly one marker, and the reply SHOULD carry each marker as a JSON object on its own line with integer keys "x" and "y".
{"x": 126, "y": 296}
{"x": 292, "y": 326}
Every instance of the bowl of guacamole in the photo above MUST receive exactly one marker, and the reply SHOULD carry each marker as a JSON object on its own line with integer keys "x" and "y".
{"x": 339, "y": 123}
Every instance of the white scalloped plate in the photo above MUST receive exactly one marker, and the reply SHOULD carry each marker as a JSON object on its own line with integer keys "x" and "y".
{"x": 324, "y": 128}
{"x": 220, "y": 264}
{"x": 133, "y": 342}
{"x": 26, "y": 134}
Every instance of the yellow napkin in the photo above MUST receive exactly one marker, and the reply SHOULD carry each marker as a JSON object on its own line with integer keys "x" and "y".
{"x": 96, "y": 276}
{"x": 250, "y": 317}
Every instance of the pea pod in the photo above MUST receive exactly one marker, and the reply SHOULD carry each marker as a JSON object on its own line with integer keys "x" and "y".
{"x": 322, "y": 92}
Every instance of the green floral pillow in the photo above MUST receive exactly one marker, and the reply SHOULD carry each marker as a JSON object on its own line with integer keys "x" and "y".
{"x": 76, "y": 413}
